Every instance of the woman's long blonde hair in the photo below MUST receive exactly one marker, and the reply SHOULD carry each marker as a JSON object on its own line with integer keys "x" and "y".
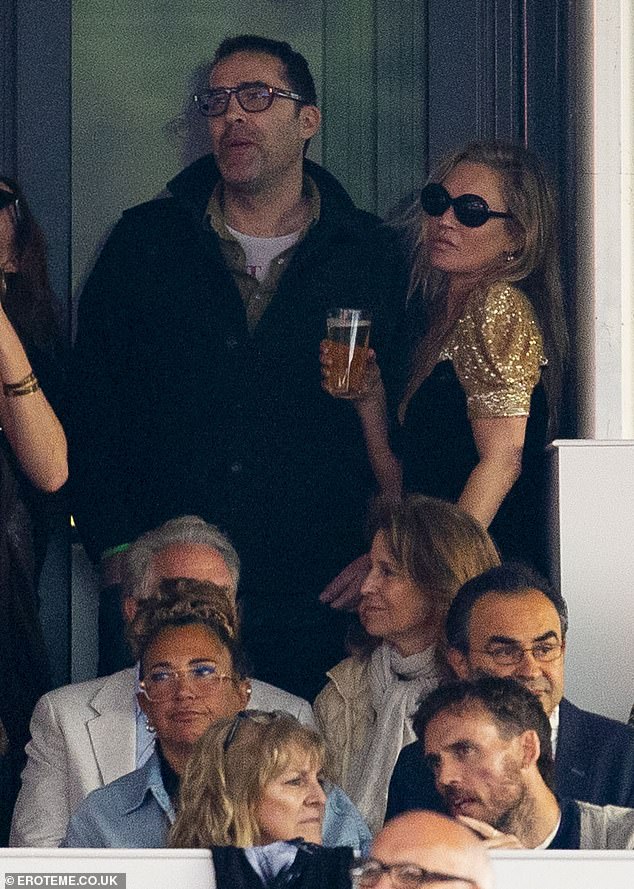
{"x": 223, "y": 782}
{"x": 534, "y": 266}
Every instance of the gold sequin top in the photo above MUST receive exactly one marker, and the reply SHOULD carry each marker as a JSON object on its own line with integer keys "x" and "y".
{"x": 497, "y": 352}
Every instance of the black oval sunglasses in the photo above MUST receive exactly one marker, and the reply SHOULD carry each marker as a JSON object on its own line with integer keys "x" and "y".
{"x": 470, "y": 209}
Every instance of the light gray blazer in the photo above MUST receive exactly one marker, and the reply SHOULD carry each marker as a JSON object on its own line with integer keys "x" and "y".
{"x": 84, "y": 736}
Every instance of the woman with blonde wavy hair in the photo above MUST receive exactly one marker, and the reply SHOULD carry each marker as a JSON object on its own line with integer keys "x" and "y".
{"x": 484, "y": 349}
{"x": 254, "y": 779}
{"x": 254, "y": 793}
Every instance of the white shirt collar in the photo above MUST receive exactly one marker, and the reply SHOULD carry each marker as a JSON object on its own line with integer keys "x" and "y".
{"x": 554, "y": 728}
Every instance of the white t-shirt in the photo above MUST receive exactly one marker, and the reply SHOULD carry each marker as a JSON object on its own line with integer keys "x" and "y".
{"x": 260, "y": 252}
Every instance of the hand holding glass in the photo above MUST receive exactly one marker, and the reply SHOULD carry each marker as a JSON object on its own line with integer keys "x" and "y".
{"x": 347, "y": 351}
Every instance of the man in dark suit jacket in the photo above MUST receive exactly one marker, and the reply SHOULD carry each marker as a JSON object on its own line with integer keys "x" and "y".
{"x": 510, "y": 622}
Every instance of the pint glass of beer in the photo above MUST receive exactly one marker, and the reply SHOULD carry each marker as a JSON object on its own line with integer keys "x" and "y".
{"x": 348, "y": 336}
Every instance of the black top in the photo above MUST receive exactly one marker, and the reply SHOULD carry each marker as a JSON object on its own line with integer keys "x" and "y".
{"x": 438, "y": 453}
{"x": 171, "y": 779}
{"x": 315, "y": 867}
{"x": 178, "y": 409}
{"x": 568, "y": 834}
{"x": 489, "y": 365}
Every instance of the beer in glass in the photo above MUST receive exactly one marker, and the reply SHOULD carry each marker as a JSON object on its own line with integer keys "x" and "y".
{"x": 348, "y": 338}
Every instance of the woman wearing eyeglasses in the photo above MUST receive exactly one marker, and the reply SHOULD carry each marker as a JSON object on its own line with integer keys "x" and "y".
{"x": 192, "y": 674}
{"x": 484, "y": 350}
{"x": 32, "y": 465}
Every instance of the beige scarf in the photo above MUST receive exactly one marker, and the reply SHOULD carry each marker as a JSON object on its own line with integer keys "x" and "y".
{"x": 396, "y": 685}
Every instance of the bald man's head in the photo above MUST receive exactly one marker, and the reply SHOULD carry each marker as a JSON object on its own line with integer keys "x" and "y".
{"x": 435, "y": 843}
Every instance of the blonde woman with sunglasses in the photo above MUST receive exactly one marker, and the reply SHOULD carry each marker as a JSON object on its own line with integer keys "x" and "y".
{"x": 479, "y": 392}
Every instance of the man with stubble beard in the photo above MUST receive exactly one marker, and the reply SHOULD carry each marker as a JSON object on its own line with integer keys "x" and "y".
{"x": 487, "y": 744}
{"x": 509, "y": 622}
{"x": 196, "y": 375}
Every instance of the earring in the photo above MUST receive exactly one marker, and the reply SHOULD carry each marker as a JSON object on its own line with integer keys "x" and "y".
{"x": 149, "y": 726}
{"x": 510, "y": 257}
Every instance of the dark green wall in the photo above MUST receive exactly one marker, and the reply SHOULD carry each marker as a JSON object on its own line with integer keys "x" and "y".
{"x": 95, "y": 96}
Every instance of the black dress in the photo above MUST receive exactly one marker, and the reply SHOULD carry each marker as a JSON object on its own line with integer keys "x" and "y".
{"x": 488, "y": 367}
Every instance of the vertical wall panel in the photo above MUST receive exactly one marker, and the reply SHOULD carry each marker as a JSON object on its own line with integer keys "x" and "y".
{"x": 43, "y": 126}
{"x": 349, "y": 96}
{"x": 456, "y": 74}
{"x": 508, "y": 72}
{"x": 375, "y": 98}
{"x": 401, "y": 98}
{"x": 476, "y": 72}
{"x": 7, "y": 87}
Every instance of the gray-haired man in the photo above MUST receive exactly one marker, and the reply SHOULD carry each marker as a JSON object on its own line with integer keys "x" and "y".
{"x": 87, "y": 734}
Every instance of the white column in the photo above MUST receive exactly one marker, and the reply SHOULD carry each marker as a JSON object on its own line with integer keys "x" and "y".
{"x": 604, "y": 217}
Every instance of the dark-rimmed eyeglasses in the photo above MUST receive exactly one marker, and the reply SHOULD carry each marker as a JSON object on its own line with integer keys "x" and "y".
{"x": 252, "y": 97}
{"x": 367, "y": 874}
{"x": 261, "y": 716}
{"x": 203, "y": 680}
{"x": 508, "y": 654}
{"x": 470, "y": 209}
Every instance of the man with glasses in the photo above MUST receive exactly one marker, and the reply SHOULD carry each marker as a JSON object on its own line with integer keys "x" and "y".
{"x": 423, "y": 849}
{"x": 509, "y": 622}
{"x": 488, "y": 746}
{"x": 196, "y": 369}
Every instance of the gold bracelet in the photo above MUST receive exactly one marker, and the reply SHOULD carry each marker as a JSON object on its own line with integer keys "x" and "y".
{"x": 24, "y": 387}
{"x": 26, "y": 391}
{"x": 9, "y": 387}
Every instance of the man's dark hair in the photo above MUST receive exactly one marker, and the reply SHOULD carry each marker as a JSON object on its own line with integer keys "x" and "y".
{"x": 512, "y": 707}
{"x": 510, "y": 579}
{"x": 296, "y": 70}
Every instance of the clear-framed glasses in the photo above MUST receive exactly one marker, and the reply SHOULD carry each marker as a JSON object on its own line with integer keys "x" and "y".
{"x": 367, "y": 874}
{"x": 508, "y": 654}
{"x": 203, "y": 680}
{"x": 252, "y": 97}
{"x": 261, "y": 716}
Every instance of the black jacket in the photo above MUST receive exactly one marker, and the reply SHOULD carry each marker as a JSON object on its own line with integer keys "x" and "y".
{"x": 177, "y": 409}
{"x": 315, "y": 867}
